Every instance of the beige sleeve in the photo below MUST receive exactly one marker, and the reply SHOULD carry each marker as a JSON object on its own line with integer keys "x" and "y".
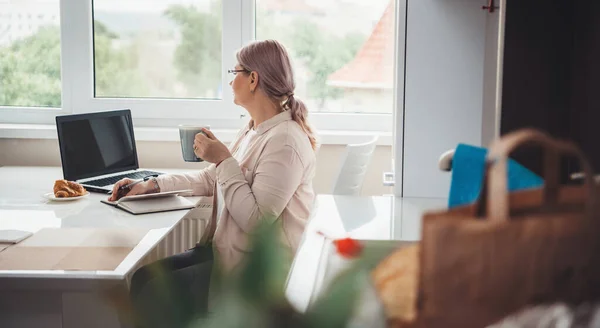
{"x": 278, "y": 175}
{"x": 200, "y": 182}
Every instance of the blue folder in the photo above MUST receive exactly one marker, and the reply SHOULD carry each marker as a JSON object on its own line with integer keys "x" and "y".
{"x": 468, "y": 166}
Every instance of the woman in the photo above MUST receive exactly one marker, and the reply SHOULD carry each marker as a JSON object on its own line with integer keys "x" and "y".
{"x": 266, "y": 174}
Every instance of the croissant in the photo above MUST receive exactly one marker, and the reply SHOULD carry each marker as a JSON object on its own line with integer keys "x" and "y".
{"x": 64, "y": 188}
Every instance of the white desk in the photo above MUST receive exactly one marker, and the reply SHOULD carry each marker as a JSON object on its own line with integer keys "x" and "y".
{"x": 70, "y": 299}
{"x": 369, "y": 218}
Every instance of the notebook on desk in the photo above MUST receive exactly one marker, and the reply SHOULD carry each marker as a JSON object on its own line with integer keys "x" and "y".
{"x": 153, "y": 203}
{"x": 9, "y": 236}
{"x": 98, "y": 149}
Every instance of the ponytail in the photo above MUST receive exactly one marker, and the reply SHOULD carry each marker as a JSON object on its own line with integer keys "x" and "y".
{"x": 300, "y": 114}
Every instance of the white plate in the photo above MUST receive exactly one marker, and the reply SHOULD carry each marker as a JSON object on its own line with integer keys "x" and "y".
{"x": 51, "y": 196}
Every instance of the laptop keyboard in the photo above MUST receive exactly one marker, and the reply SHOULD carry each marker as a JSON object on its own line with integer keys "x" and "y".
{"x": 112, "y": 180}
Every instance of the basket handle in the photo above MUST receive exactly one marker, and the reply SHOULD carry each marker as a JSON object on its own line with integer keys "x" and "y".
{"x": 497, "y": 199}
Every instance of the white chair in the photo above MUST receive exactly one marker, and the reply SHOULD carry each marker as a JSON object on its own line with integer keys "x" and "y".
{"x": 445, "y": 161}
{"x": 353, "y": 168}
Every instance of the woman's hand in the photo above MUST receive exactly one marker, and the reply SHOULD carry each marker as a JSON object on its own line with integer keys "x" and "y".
{"x": 145, "y": 187}
{"x": 209, "y": 148}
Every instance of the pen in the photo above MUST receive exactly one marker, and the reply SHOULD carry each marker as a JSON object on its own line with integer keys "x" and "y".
{"x": 128, "y": 186}
{"x": 146, "y": 178}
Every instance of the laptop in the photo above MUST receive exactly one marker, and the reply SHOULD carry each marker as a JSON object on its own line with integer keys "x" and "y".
{"x": 98, "y": 149}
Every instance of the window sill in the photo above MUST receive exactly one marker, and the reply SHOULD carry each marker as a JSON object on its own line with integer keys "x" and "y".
{"x": 326, "y": 137}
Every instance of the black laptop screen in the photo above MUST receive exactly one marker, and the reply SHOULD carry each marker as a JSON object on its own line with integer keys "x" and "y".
{"x": 96, "y": 144}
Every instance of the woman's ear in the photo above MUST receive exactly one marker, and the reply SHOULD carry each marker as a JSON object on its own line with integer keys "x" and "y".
{"x": 253, "y": 81}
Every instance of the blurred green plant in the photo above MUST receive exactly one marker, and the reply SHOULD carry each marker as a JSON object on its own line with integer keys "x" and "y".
{"x": 255, "y": 295}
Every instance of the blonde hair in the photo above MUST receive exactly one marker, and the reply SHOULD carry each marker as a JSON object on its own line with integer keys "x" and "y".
{"x": 270, "y": 59}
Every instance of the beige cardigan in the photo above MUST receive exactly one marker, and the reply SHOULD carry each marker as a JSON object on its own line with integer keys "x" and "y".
{"x": 273, "y": 180}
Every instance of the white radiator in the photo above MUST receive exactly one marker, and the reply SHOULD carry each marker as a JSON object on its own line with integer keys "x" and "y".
{"x": 183, "y": 236}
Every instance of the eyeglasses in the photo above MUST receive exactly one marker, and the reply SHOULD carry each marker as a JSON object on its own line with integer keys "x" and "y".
{"x": 235, "y": 71}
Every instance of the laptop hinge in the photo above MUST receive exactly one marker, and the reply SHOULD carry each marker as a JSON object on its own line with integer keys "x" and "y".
{"x": 99, "y": 177}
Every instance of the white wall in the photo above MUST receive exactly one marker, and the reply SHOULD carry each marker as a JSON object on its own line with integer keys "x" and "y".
{"x": 444, "y": 87}
{"x": 167, "y": 154}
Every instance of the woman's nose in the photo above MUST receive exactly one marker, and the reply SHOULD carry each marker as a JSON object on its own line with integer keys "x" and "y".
{"x": 231, "y": 82}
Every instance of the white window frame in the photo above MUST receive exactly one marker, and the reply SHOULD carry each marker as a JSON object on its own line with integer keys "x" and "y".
{"x": 80, "y": 46}
{"x": 238, "y": 29}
